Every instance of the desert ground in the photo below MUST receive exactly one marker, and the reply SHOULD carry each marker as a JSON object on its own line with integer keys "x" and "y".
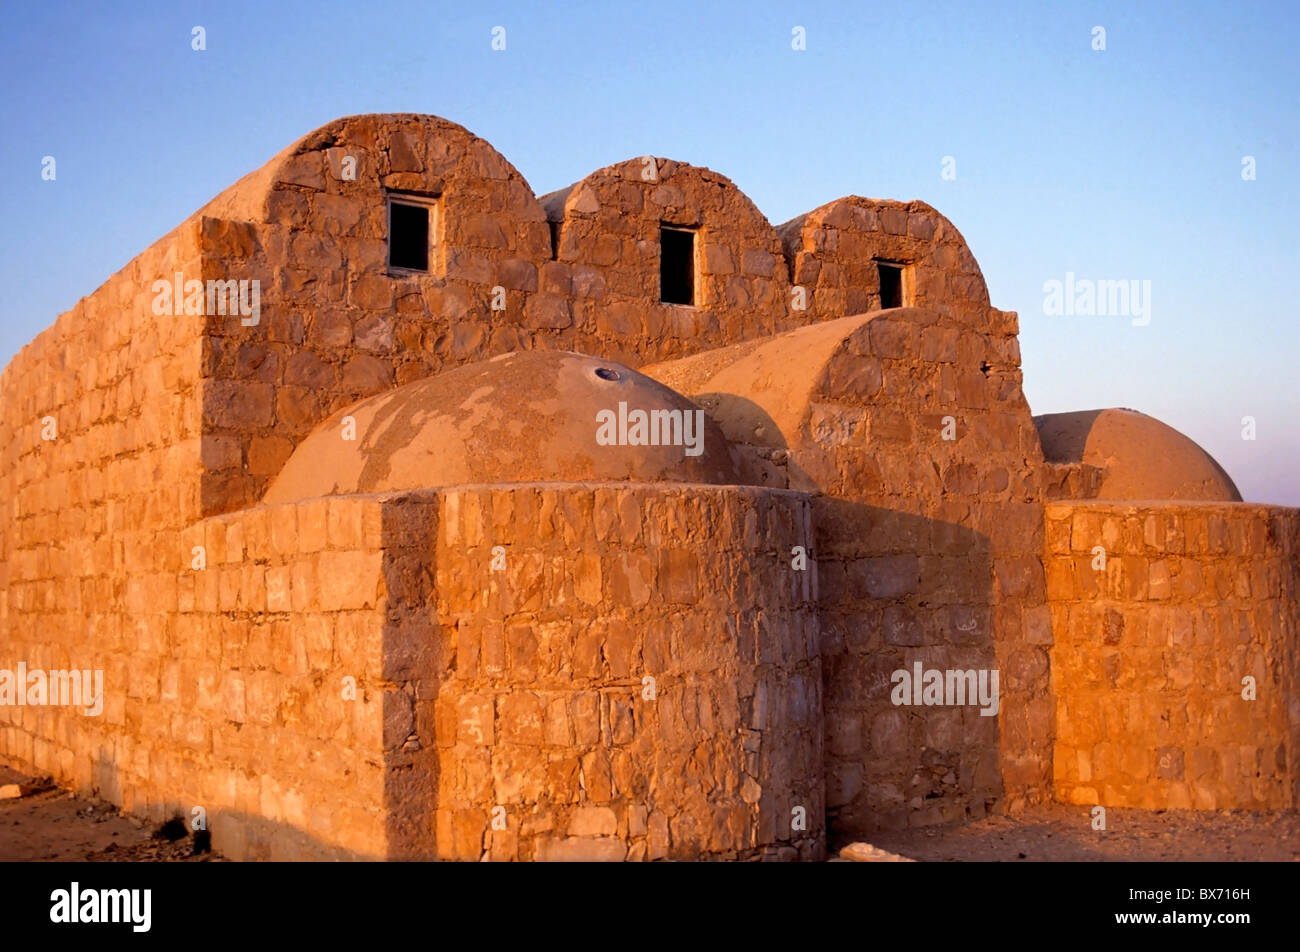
{"x": 1062, "y": 833}
{"x": 58, "y": 825}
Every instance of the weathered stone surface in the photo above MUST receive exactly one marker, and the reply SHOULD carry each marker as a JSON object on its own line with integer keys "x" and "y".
{"x": 1152, "y": 656}
{"x": 612, "y": 669}
{"x": 866, "y": 853}
{"x": 16, "y": 791}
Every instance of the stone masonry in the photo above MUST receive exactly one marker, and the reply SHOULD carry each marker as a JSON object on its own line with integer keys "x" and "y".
{"x": 390, "y": 648}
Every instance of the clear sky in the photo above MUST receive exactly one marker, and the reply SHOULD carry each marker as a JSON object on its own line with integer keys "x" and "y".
{"x": 1122, "y": 164}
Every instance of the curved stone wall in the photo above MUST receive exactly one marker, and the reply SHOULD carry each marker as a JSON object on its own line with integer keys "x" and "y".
{"x": 540, "y": 700}
{"x": 1160, "y": 613}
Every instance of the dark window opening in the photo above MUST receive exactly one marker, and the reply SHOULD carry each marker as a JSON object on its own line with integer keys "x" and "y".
{"x": 676, "y": 266}
{"x": 408, "y": 236}
{"x": 555, "y": 240}
{"x": 891, "y": 284}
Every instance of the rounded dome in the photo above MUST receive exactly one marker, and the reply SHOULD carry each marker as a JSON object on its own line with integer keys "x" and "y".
{"x": 531, "y": 416}
{"x": 1142, "y": 457}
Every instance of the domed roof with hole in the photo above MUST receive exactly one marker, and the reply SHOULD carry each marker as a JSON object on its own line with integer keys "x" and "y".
{"x": 532, "y": 416}
{"x": 1142, "y": 457}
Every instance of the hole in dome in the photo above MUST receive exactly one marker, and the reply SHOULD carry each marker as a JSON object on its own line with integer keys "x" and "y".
{"x": 604, "y": 373}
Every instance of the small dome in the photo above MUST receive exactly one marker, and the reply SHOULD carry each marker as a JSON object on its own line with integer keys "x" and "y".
{"x": 1142, "y": 457}
{"x": 531, "y": 416}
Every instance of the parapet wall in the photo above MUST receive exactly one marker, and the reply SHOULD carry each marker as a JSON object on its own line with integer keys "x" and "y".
{"x": 1152, "y": 646}
{"x": 639, "y": 679}
{"x": 385, "y": 676}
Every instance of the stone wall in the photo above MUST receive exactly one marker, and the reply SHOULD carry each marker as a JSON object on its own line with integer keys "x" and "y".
{"x": 89, "y": 535}
{"x": 338, "y": 324}
{"x": 1151, "y": 647}
{"x": 928, "y": 514}
{"x": 349, "y": 677}
{"x": 832, "y": 252}
{"x": 542, "y": 709}
{"x": 607, "y": 259}
{"x": 288, "y": 762}
{"x": 223, "y": 685}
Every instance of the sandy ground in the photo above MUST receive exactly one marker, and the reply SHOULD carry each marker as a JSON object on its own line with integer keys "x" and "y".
{"x": 1057, "y": 832}
{"x": 55, "y": 825}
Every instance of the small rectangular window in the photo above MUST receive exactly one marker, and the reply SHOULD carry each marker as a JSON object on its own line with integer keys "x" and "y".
{"x": 409, "y": 234}
{"x": 556, "y": 235}
{"x": 891, "y": 284}
{"x": 676, "y": 265}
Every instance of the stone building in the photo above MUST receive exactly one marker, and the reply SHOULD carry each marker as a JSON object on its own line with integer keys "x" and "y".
{"x": 606, "y": 524}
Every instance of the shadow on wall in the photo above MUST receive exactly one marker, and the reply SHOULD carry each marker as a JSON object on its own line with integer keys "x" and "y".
{"x": 542, "y": 714}
{"x": 252, "y": 837}
{"x": 1138, "y": 456}
{"x": 236, "y": 834}
{"x": 908, "y": 528}
{"x": 898, "y": 590}
{"x": 763, "y": 459}
{"x": 413, "y": 662}
{"x": 105, "y": 780}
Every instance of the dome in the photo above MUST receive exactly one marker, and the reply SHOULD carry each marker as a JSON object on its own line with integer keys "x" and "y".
{"x": 1142, "y": 457}
{"x": 530, "y": 416}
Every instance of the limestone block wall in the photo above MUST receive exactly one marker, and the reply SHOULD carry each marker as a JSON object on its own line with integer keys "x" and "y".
{"x": 929, "y": 548}
{"x": 234, "y": 702}
{"x": 1150, "y": 652}
{"x": 89, "y": 532}
{"x": 608, "y": 260}
{"x": 349, "y": 677}
{"x": 928, "y": 552}
{"x": 286, "y": 756}
{"x": 540, "y": 706}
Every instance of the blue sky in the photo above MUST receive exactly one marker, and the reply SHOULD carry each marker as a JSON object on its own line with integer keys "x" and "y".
{"x": 1117, "y": 164}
